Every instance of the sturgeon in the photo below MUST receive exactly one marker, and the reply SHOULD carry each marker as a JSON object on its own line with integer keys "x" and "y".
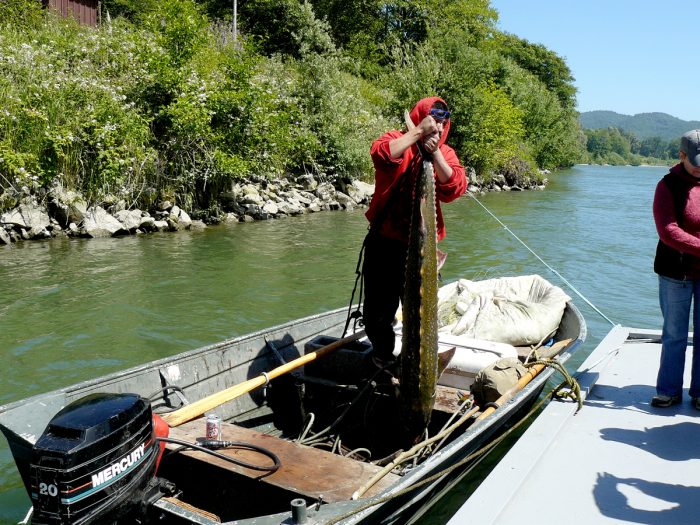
{"x": 419, "y": 342}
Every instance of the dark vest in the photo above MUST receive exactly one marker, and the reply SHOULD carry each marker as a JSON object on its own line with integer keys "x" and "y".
{"x": 669, "y": 262}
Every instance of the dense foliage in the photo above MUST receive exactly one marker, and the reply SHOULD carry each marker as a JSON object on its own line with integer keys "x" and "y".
{"x": 619, "y": 147}
{"x": 161, "y": 101}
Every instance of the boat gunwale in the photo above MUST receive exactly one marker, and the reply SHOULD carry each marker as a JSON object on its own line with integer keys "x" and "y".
{"x": 483, "y": 430}
{"x": 450, "y": 454}
{"x": 179, "y": 357}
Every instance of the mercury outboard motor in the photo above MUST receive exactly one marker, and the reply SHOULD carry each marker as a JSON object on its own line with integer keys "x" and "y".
{"x": 95, "y": 462}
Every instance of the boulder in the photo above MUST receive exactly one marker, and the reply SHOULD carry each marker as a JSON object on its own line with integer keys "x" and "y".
{"x": 67, "y": 212}
{"x": 148, "y": 224}
{"x": 131, "y": 219}
{"x": 302, "y": 198}
{"x": 251, "y": 196}
{"x": 290, "y": 207}
{"x": 99, "y": 223}
{"x": 4, "y": 236}
{"x": 345, "y": 201}
{"x": 31, "y": 219}
{"x": 360, "y": 192}
{"x": 179, "y": 219}
{"x": 307, "y": 182}
{"x": 325, "y": 191}
{"x": 271, "y": 208}
{"x": 28, "y": 216}
{"x": 66, "y": 206}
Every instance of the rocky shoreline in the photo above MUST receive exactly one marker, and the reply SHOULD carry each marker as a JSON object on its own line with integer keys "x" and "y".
{"x": 58, "y": 212}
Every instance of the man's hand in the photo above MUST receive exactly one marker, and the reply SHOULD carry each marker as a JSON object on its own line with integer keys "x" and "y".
{"x": 427, "y": 127}
{"x": 430, "y": 134}
{"x": 431, "y": 142}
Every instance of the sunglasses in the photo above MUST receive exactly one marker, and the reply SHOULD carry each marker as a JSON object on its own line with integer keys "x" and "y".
{"x": 440, "y": 114}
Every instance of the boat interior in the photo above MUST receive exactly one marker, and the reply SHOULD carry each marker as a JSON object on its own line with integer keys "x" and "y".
{"x": 330, "y": 432}
{"x": 333, "y": 426}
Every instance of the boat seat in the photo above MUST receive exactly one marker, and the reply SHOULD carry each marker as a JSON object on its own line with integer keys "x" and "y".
{"x": 304, "y": 470}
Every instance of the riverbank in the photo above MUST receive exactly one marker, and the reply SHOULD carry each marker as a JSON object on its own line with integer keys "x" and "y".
{"x": 59, "y": 212}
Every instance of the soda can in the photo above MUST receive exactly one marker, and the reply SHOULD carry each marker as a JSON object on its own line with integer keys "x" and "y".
{"x": 213, "y": 430}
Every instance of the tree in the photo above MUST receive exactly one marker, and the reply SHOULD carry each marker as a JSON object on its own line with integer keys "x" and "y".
{"x": 472, "y": 22}
{"x": 491, "y": 127}
{"x": 546, "y": 65}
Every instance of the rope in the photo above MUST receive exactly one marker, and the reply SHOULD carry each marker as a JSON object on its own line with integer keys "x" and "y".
{"x": 229, "y": 444}
{"x": 574, "y": 391}
{"x": 359, "y": 279}
{"x": 571, "y": 286}
{"x": 474, "y": 455}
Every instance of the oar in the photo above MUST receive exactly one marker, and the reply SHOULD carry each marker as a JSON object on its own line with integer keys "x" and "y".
{"x": 196, "y": 409}
{"x": 532, "y": 372}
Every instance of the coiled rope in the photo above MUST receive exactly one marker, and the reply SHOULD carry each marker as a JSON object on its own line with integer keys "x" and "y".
{"x": 564, "y": 280}
{"x": 574, "y": 389}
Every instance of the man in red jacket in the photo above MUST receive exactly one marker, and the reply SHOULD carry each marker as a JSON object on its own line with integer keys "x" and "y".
{"x": 397, "y": 162}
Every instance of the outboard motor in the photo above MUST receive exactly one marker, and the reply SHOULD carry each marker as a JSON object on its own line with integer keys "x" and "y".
{"x": 95, "y": 461}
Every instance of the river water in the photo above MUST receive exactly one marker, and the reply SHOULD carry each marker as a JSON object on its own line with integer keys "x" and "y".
{"x": 75, "y": 309}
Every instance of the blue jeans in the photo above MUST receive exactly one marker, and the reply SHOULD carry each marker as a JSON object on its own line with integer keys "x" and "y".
{"x": 675, "y": 298}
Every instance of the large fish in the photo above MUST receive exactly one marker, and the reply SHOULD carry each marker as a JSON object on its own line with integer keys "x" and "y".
{"x": 419, "y": 344}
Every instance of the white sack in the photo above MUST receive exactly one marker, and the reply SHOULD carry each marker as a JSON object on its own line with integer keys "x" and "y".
{"x": 519, "y": 310}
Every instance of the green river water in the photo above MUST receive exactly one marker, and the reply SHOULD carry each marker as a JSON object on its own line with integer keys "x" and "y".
{"x": 75, "y": 309}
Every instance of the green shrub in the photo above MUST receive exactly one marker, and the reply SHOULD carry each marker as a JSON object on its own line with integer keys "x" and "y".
{"x": 492, "y": 127}
{"x": 21, "y": 14}
{"x": 159, "y": 101}
{"x": 345, "y": 112}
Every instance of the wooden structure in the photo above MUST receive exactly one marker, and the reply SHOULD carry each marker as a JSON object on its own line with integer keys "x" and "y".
{"x": 86, "y": 12}
{"x": 310, "y": 472}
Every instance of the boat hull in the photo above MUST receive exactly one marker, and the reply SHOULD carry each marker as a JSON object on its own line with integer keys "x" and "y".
{"x": 210, "y": 369}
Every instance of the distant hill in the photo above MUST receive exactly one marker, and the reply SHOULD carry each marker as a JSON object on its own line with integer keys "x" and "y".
{"x": 643, "y": 125}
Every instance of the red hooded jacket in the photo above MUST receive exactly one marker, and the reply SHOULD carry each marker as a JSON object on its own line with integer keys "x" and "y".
{"x": 391, "y": 176}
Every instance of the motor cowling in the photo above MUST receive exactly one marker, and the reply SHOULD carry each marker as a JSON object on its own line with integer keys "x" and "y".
{"x": 94, "y": 461}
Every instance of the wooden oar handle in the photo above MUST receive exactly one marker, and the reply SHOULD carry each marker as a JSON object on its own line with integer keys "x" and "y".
{"x": 198, "y": 408}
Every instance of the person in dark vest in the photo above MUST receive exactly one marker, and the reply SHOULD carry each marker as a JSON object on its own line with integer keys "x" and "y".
{"x": 677, "y": 262}
{"x": 396, "y": 161}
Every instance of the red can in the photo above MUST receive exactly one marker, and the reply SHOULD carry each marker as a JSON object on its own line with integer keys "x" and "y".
{"x": 213, "y": 430}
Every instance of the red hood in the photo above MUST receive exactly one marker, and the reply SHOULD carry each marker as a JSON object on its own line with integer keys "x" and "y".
{"x": 421, "y": 110}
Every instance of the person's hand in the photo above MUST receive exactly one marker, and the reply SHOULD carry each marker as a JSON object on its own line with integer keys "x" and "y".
{"x": 431, "y": 142}
{"x": 428, "y": 127}
{"x": 430, "y": 134}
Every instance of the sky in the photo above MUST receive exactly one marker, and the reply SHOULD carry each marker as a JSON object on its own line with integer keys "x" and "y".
{"x": 626, "y": 56}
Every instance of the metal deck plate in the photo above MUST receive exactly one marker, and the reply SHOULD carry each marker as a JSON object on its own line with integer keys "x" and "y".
{"x": 618, "y": 460}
